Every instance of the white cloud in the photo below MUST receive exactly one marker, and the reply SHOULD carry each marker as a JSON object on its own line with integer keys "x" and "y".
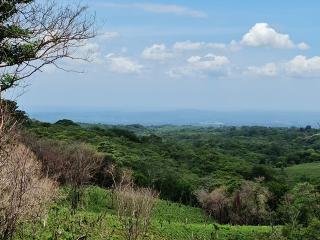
{"x": 201, "y": 66}
{"x": 124, "y": 65}
{"x": 209, "y": 62}
{"x": 92, "y": 50}
{"x": 262, "y": 35}
{"x": 216, "y": 45}
{"x": 159, "y": 8}
{"x": 157, "y": 52}
{"x": 302, "y": 66}
{"x": 188, "y": 45}
{"x": 267, "y": 70}
{"x": 303, "y": 46}
{"x": 89, "y": 51}
{"x": 107, "y": 35}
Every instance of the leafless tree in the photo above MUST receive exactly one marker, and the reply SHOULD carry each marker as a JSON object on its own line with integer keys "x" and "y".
{"x": 215, "y": 203}
{"x": 24, "y": 192}
{"x": 246, "y": 205}
{"x": 73, "y": 164}
{"x": 82, "y": 164}
{"x": 51, "y": 32}
{"x": 249, "y": 204}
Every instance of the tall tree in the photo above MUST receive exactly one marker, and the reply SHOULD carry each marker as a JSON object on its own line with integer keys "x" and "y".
{"x": 36, "y": 33}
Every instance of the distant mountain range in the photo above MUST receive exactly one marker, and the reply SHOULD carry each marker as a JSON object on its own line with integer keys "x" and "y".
{"x": 185, "y": 117}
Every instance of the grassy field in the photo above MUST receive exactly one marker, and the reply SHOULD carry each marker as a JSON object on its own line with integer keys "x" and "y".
{"x": 306, "y": 171}
{"x": 96, "y": 219}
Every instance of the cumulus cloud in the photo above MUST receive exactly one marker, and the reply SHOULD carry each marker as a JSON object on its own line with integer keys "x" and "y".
{"x": 159, "y": 8}
{"x": 157, "y": 52}
{"x": 201, "y": 66}
{"x": 188, "y": 45}
{"x": 267, "y": 70}
{"x": 301, "y": 66}
{"x": 123, "y": 65}
{"x": 262, "y": 35}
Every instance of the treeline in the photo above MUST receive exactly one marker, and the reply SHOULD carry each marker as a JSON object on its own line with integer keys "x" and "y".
{"x": 178, "y": 161}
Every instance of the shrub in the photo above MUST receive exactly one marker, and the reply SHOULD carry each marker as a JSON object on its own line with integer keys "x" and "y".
{"x": 24, "y": 193}
{"x": 215, "y": 203}
{"x": 275, "y": 234}
{"x": 249, "y": 204}
{"x": 301, "y": 205}
{"x": 246, "y": 205}
{"x": 134, "y": 205}
{"x": 73, "y": 164}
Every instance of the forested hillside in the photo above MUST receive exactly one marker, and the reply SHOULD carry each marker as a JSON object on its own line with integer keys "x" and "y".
{"x": 180, "y": 160}
{"x": 245, "y": 179}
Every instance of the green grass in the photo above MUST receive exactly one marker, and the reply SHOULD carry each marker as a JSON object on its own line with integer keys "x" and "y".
{"x": 306, "y": 171}
{"x": 97, "y": 220}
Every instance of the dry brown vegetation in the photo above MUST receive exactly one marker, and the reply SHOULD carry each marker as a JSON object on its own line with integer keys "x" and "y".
{"x": 247, "y": 205}
{"x": 24, "y": 192}
{"x": 215, "y": 203}
{"x": 73, "y": 164}
{"x": 134, "y": 205}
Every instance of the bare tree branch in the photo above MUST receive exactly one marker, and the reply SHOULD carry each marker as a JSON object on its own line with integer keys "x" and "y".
{"x": 53, "y": 32}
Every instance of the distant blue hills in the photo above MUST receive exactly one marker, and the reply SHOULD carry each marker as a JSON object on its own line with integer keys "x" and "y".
{"x": 185, "y": 117}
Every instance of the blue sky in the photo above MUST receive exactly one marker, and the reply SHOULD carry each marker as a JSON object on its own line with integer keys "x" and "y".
{"x": 224, "y": 55}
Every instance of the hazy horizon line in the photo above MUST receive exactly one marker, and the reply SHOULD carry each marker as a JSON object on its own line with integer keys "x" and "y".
{"x": 80, "y": 109}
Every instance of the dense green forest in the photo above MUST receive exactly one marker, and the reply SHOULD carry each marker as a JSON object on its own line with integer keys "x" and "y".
{"x": 213, "y": 182}
{"x": 238, "y": 175}
{"x": 178, "y": 160}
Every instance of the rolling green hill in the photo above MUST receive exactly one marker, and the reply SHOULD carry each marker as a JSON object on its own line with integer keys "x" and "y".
{"x": 177, "y": 160}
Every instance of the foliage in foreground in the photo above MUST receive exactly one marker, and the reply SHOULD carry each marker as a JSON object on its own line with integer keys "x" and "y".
{"x": 24, "y": 192}
{"x": 97, "y": 219}
{"x": 134, "y": 205}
